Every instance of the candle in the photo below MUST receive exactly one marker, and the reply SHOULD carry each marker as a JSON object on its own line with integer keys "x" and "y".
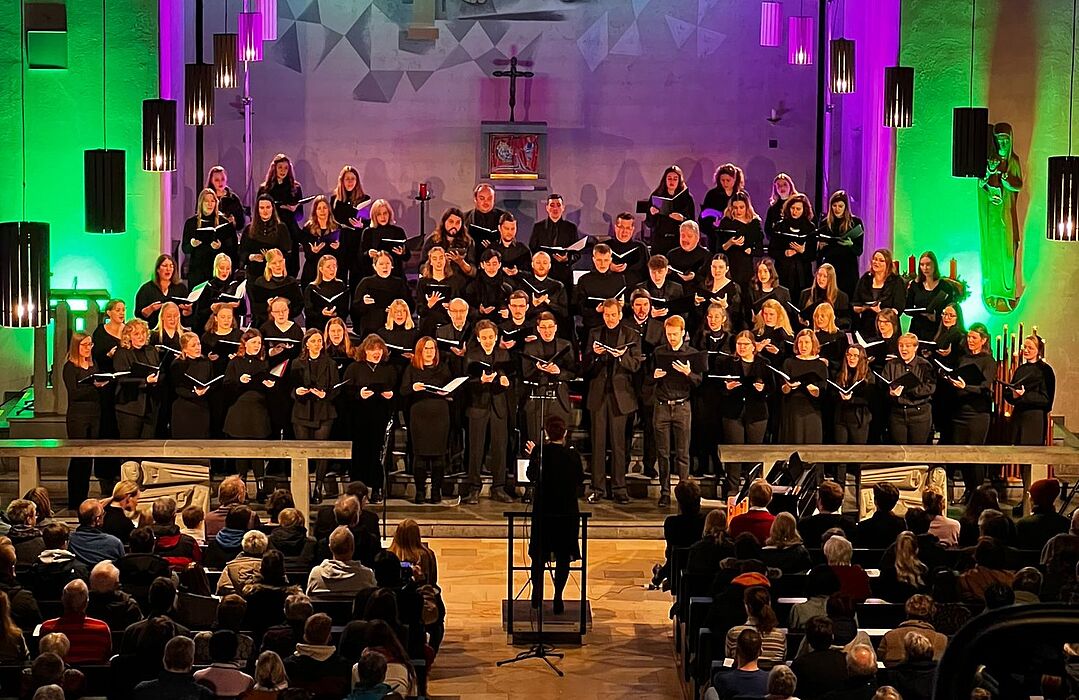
{"x": 772, "y": 116}
{"x": 952, "y": 269}
{"x": 423, "y": 190}
{"x": 910, "y": 266}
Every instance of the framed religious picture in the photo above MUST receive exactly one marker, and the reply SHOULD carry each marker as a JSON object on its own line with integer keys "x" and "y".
{"x": 515, "y": 155}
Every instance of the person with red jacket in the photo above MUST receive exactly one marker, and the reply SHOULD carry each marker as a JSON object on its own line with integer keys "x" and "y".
{"x": 91, "y": 640}
{"x": 178, "y": 549}
{"x": 757, "y": 520}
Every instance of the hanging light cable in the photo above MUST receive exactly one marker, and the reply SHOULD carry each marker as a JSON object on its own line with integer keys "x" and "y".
{"x": 1063, "y": 191}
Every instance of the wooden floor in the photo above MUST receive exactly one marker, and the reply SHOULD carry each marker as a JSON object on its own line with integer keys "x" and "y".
{"x": 627, "y": 653}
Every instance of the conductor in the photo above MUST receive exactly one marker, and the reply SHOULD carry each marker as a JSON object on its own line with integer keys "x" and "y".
{"x": 555, "y": 530}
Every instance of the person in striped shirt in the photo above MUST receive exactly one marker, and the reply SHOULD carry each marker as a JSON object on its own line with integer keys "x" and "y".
{"x": 91, "y": 640}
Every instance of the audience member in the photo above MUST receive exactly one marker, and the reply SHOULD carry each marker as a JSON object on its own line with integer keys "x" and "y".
{"x": 119, "y": 509}
{"x": 232, "y": 491}
{"x": 107, "y": 602}
{"x": 982, "y": 500}
{"x": 919, "y": 611}
{"x": 946, "y": 529}
{"x": 48, "y": 669}
{"x": 291, "y": 539}
{"x": 906, "y": 574}
{"x": 270, "y": 677}
{"x": 24, "y": 609}
{"x": 820, "y": 584}
{"x": 340, "y": 575}
{"x": 680, "y": 530}
{"x": 1044, "y": 522}
{"x": 144, "y": 642}
{"x": 757, "y": 520}
{"x": 853, "y": 581}
{"x": 24, "y": 533}
{"x": 316, "y": 666}
{"x": 887, "y": 692}
{"x": 91, "y": 640}
{"x": 861, "y": 681}
{"x": 823, "y": 668}
{"x": 913, "y": 678}
{"x": 194, "y": 520}
{"x": 1027, "y": 585}
{"x": 409, "y": 547}
{"x": 278, "y": 501}
{"x": 949, "y": 613}
{"x": 746, "y": 678}
{"x": 781, "y": 683}
{"x": 988, "y": 569}
{"x": 400, "y": 675}
{"x": 49, "y": 692}
{"x": 931, "y": 551}
{"x": 879, "y": 530}
{"x": 12, "y": 645}
{"x": 370, "y": 674}
{"x": 997, "y": 595}
{"x": 231, "y": 612}
{"x": 348, "y": 510}
{"x": 760, "y": 617}
{"x": 178, "y": 549}
{"x": 89, "y": 543}
{"x": 1059, "y": 559}
{"x": 784, "y": 549}
{"x": 243, "y": 569}
{"x": 56, "y": 565}
{"x": 829, "y": 515}
{"x": 224, "y": 676}
{"x": 227, "y": 543}
{"x": 176, "y": 682}
{"x": 282, "y": 639}
{"x": 141, "y": 567}
{"x": 267, "y": 592}
{"x": 714, "y": 546}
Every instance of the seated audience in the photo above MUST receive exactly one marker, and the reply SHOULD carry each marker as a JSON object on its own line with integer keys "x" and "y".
{"x": 982, "y": 500}
{"x": 906, "y": 575}
{"x": 141, "y": 567}
{"x": 348, "y": 510}
{"x": 176, "y": 682}
{"x": 144, "y": 641}
{"x": 178, "y": 549}
{"x": 270, "y": 678}
{"x": 24, "y": 609}
{"x": 997, "y": 595}
{"x": 340, "y": 575}
{"x": 761, "y": 618}
{"x": 227, "y": 543}
{"x": 107, "y": 602}
{"x": 914, "y": 677}
{"x": 949, "y": 614}
{"x": 282, "y": 639}
{"x": 267, "y": 592}
{"x": 316, "y": 666}
{"x": 823, "y": 668}
{"x": 757, "y": 520}
{"x": 853, "y": 581}
{"x": 820, "y": 584}
{"x": 24, "y": 533}
{"x": 409, "y": 547}
{"x": 231, "y": 612}
{"x": 224, "y": 676}
{"x": 49, "y": 692}
{"x": 278, "y": 501}
{"x": 781, "y": 683}
{"x": 291, "y": 539}
{"x": 746, "y": 678}
{"x": 680, "y": 530}
{"x": 784, "y": 549}
{"x": 370, "y": 675}
{"x": 879, "y": 530}
{"x": 946, "y": 529}
{"x": 1027, "y": 586}
{"x": 989, "y": 568}
{"x": 89, "y": 543}
{"x": 232, "y": 491}
{"x": 714, "y": 546}
{"x": 48, "y": 669}
{"x": 91, "y": 640}
{"x": 919, "y": 611}
{"x": 243, "y": 570}
{"x": 1059, "y": 558}
{"x": 56, "y": 565}
{"x": 12, "y": 645}
{"x": 829, "y": 514}
{"x": 1044, "y": 522}
{"x": 931, "y": 551}
{"x": 194, "y": 520}
{"x": 861, "y": 681}
{"x": 119, "y": 510}
{"x": 400, "y": 675}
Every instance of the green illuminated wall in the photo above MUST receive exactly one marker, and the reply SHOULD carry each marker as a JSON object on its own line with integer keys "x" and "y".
{"x": 63, "y": 118}
{"x": 1021, "y": 70}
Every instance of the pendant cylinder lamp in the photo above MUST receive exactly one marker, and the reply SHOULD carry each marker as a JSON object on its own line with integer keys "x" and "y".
{"x": 249, "y": 28}
{"x": 268, "y": 10}
{"x": 225, "y": 53}
{"x": 801, "y": 36}
{"x": 198, "y": 94}
{"x": 1063, "y": 199}
{"x": 970, "y": 141}
{"x": 159, "y": 135}
{"x": 771, "y": 23}
{"x": 24, "y": 274}
{"x": 105, "y": 189}
{"x": 898, "y": 97}
{"x": 842, "y": 66}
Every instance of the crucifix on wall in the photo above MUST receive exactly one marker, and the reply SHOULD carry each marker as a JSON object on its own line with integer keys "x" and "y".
{"x": 513, "y": 74}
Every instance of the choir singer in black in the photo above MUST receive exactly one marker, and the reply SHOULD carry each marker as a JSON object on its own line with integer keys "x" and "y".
{"x": 674, "y": 376}
{"x": 488, "y": 412}
{"x": 911, "y": 383}
{"x": 611, "y": 357}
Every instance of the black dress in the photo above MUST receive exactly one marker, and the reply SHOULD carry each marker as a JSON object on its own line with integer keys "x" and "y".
{"x": 368, "y": 318}
{"x": 555, "y": 525}
{"x": 200, "y": 258}
{"x": 83, "y": 423}
{"x": 740, "y": 262}
{"x": 431, "y": 317}
{"x": 219, "y": 291}
{"x": 730, "y": 293}
{"x": 191, "y": 412}
{"x": 795, "y": 271}
{"x": 844, "y": 258}
{"x": 230, "y": 205}
{"x": 149, "y": 293}
{"x": 717, "y": 200}
{"x": 259, "y": 237}
{"x": 261, "y": 290}
{"x": 891, "y": 295}
{"x": 368, "y": 417}
{"x": 288, "y": 193}
{"x": 137, "y": 401}
{"x": 1029, "y": 422}
{"x": 219, "y": 350}
{"x": 664, "y": 228}
{"x": 386, "y": 238}
{"x": 328, "y": 294}
{"x": 331, "y": 245}
{"x": 924, "y": 323}
{"x": 248, "y": 416}
{"x": 354, "y": 264}
{"x": 105, "y": 343}
{"x": 801, "y": 422}
{"x": 428, "y": 413}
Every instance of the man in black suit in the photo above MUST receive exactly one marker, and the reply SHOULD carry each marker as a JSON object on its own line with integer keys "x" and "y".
{"x": 555, "y": 234}
{"x": 488, "y": 412}
{"x": 879, "y": 530}
{"x": 823, "y": 668}
{"x": 547, "y": 366}
{"x": 829, "y": 503}
{"x": 612, "y": 355}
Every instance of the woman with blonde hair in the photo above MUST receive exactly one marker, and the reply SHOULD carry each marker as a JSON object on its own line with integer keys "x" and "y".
{"x": 192, "y": 379}
{"x": 205, "y": 234}
{"x": 327, "y": 296}
{"x": 120, "y": 514}
{"x": 714, "y": 546}
{"x": 270, "y": 678}
{"x": 275, "y": 283}
{"x": 772, "y": 332}
{"x": 137, "y": 394}
{"x": 400, "y": 334}
{"x": 783, "y": 189}
{"x": 740, "y": 237}
{"x": 908, "y": 576}
{"x": 784, "y": 549}
{"x": 833, "y": 341}
{"x": 12, "y": 643}
{"x": 83, "y": 411}
{"x": 322, "y": 237}
{"x": 385, "y": 236}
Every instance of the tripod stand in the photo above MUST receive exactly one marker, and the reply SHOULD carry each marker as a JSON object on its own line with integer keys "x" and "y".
{"x": 540, "y": 650}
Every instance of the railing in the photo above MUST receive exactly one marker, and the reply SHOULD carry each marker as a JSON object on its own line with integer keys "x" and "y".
{"x": 298, "y": 452}
{"x": 1035, "y": 460}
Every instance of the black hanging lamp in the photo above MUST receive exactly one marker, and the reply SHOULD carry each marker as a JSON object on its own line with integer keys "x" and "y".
{"x": 103, "y": 169}
{"x": 198, "y": 94}
{"x": 899, "y": 92}
{"x": 159, "y": 135}
{"x": 1062, "y": 210}
{"x": 842, "y": 66}
{"x": 970, "y": 125}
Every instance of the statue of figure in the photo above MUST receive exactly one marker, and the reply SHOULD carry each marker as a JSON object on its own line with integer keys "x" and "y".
{"x": 1001, "y": 253}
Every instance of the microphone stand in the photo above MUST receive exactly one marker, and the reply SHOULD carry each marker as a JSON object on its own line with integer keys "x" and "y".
{"x": 386, "y": 441}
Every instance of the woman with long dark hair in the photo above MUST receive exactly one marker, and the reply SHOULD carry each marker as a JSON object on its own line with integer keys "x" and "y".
{"x": 371, "y": 385}
{"x": 792, "y": 243}
{"x": 348, "y": 203}
{"x": 740, "y": 237}
{"x": 927, "y": 294}
{"x": 264, "y": 233}
{"x": 12, "y": 645}
{"x": 729, "y": 180}
{"x": 825, "y": 290}
{"x": 229, "y": 204}
{"x": 841, "y": 240}
{"x": 285, "y": 191}
{"x": 675, "y": 206}
{"x": 83, "y": 412}
{"x": 716, "y": 287}
{"x": 951, "y": 344}
{"x": 160, "y": 290}
{"x": 878, "y": 289}
{"x": 766, "y": 286}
